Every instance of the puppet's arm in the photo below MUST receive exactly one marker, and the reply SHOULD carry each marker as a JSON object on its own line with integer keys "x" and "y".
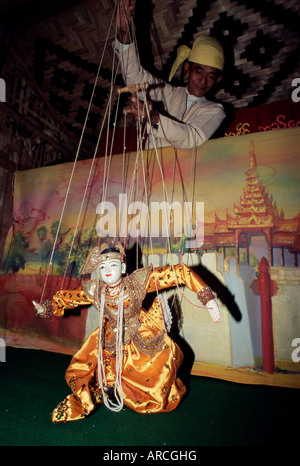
{"x": 167, "y": 277}
{"x": 65, "y": 299}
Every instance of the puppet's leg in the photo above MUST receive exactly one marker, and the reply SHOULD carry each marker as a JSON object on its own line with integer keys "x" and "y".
{"x": 80, "y": 376}
{"x": 151, "y": 360}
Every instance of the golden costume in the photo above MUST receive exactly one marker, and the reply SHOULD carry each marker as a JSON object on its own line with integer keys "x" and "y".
{"x": 150, "y": 358}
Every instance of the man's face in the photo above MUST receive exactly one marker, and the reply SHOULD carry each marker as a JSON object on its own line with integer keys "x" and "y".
{"x": 201, "y": 78}
{"x": 111, "y": 271}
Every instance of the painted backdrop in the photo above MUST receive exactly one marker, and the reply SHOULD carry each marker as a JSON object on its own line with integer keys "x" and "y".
{"x": 235, "y": 219}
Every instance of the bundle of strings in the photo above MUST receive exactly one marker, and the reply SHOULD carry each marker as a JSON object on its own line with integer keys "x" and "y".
{"x": 118, "y": 402}
{"x": 167, "y": 314}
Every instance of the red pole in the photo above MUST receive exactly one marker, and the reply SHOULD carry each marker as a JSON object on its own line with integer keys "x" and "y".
{"x": 266, "y": 316}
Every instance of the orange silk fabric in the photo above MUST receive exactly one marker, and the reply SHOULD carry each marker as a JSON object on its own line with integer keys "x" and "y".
{"x": 149, "y": 380}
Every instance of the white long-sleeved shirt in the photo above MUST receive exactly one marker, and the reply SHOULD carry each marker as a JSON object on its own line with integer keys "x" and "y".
{"x": 187, "y": 122}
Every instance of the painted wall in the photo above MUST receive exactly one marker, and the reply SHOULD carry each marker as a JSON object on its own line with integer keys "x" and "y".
{"x": 214, "y": 176}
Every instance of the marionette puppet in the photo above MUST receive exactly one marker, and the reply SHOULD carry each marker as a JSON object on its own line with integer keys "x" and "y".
{"x": 129, "y": 360}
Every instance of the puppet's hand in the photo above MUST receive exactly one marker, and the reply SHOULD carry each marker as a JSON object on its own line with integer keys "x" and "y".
{"x": 213, "y": 309}
{"x": 39, "y": 307}
{"x": 45, "y": 309}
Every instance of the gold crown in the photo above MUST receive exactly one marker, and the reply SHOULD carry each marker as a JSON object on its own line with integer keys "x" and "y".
{"x": 117, "y": 253}
{"x": 98, "y": 255}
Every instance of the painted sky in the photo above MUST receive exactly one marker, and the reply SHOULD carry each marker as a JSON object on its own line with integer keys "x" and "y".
{"x": 214, "y": 174}
{"x": 223, "y": 180}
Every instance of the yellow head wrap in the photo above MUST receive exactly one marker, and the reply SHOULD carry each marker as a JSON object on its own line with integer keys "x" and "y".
{"x": 205, "y": 51}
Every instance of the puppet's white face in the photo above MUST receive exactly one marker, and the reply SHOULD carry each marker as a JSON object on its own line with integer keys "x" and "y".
{"x": 111, "y": 271}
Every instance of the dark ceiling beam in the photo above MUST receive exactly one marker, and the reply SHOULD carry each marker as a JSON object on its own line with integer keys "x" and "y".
{"x": 55, "y": 115}
{"x": 17, "y": 15}
{"x": 7, "y": 164}
{"x": 17, "y": 117}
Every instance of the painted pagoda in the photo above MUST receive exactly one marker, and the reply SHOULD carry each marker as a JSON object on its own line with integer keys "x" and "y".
{"x": 256, "y": 215}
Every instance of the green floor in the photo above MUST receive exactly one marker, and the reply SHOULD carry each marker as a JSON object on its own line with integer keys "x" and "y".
{"x": 214, "y": 413}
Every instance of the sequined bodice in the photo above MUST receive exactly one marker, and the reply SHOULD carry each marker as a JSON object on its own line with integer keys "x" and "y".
{"x": 135, "y": 289}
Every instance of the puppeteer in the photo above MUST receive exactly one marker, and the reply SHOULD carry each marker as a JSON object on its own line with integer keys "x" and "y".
{"x": 129, "y": 360}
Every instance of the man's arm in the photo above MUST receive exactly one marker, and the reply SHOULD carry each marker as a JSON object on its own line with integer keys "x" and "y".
{"x": 192, "y": 133}
{"x": 124, "y": 15}
{"x": 187, "y": 134}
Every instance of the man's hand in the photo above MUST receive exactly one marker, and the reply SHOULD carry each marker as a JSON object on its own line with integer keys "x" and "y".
{"x": 140, "y": 113}
{"x": 124, "y": 13}
{"x": 138, "y": 110}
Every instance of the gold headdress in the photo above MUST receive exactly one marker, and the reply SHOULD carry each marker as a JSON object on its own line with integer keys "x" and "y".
{"x": 205, "y": 51}
{"x": 98, "y": 255}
